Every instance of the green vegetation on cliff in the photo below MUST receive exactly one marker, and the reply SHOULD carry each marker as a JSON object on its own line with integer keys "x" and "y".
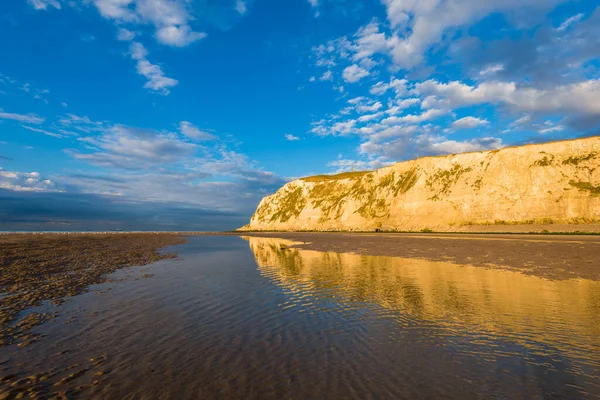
{"x": 586, "y": 186}
{"x": 443, "y": 179}
{"x": 343, "y": 175}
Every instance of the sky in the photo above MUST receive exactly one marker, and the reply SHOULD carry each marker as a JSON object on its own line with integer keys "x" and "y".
{"x": 183, "y": 114}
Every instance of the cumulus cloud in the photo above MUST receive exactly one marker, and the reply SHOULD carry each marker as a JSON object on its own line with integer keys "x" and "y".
{"x": 428, "y": 21}
{"x": 291, "y": 137}
{"x": 415, "y": 27}
{"x": 427, "y": 115}
{"x": 345, "y": 165}
{"x": 398, "y": 106}
{"x": 469, "y": 123}
{"x": 240, "y": 7}
{"x": 178, "y": 36}
{"x": 191, "y": 131}
{"x": 170, "y": 18}
{"x": 27, "y": 118}
{"x": 576, "y": 98}
{"x": 125, "y": 34}
{"x": 327, "y": 76}
{"x": 404, "y": 144}
{"x": 364, "y": 108}
{"x": 157, "y": 81}
{"x": 368, "y": 41}
{"x": 434, "y": 145}
{"x": 354, "y": 73}
{"x": 25, "y": 181}
{"x": 398, "y": 85}
{"x": 44, "y": 4}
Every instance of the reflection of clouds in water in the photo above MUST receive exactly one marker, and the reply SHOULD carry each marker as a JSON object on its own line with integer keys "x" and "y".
{"x": 481, "y": 305}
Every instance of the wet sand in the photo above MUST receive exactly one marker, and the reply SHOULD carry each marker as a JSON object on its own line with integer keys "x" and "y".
{"x": 258, "y": 318}
{"x": 49, "y": 267}
{"x": 549, "y": 256}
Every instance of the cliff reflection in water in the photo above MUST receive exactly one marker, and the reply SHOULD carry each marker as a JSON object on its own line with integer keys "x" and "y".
{"x": 479, "y": 304}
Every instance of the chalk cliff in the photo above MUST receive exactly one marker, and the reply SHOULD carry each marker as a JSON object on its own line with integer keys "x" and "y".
{"x": 556, "y": 182}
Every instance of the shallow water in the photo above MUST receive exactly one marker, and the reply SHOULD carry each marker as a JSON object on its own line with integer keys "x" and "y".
{"x": 251, "y": 318}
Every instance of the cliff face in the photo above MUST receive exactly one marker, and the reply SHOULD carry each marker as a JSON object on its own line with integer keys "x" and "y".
{"x": 552, "y": 182}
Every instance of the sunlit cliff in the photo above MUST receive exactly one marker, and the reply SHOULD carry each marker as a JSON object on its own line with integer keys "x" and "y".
{"x": 556, "y": 182}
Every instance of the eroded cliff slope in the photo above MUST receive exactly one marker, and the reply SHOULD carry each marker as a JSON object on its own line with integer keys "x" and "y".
{"x": 555, "y": 182}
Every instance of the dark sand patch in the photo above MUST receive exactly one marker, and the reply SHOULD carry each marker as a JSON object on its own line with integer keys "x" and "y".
{"x": 49, "y": 267}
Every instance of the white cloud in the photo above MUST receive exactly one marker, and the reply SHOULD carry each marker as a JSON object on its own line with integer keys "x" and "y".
{"x": 398, "y": 85}
{"x": 354, "y": 73}
{"x": 401, "y": 143}
{"x": 342, "y": 128}
{"x": 491, "y": 69}
{"x": 124, "y": 147}
{"x": 27, "y": 118}
{"x": 369, "y": 41}
{"x": 157, "y": 81}
{"x": 417, "y": 26}
{"x": 369, "y": 108}
{"x": 240, "y": 7}
{"x": 191, "y": 131}
{"x": 428, "y": 21}
{"x": 440, "y": 145}
{"x": 397, "y": 107}
{"x": 170, "y": 18}
{"x": 551, "y": 129}
{"x": 327, "y": 76}
{"x": 45, "y": 132}
{"x": 345, "y": 165}
{"x": 125, "y": 34}
{"x": 83, "y": 124}
{"x": 469, "y": 123}
{"x": 314, "y": 3}
{"x": 291, "y": 137}
{"x": 370, "y": 117}
{"x": 178, "y": 36}
{"x": 44, "y": 4}
{"x": 63, "y": 104}
{"x": 570, "y": 21}
{"x": 577, "y": 98}
{"x": 357, "y": 100}
{"x": 25, "y": 182}
{"x": 427, "y": 115}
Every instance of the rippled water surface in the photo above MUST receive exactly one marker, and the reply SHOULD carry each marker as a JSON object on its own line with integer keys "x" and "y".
{"x": 251, "y": 318}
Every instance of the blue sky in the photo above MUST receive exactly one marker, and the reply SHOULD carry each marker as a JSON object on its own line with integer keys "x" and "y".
{"x": 183, "y": 114}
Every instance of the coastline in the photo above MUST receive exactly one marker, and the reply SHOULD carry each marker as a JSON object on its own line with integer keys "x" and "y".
{"x": 35, "y": 268}
{"x": 38, "y": 267}
{"x": 550, "y": 256}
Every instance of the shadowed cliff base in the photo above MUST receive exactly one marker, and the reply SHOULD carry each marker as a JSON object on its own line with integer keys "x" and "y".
{"x": 550, "y": 256}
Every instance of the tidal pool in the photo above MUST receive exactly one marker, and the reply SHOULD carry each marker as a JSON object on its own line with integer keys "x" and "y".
{"x": 252, "y": 318}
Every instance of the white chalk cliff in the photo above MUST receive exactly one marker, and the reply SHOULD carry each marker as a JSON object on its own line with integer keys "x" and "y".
{"x": 552, "y": 182}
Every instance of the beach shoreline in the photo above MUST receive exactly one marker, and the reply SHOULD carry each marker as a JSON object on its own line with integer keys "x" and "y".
{"x": 550, "y": 256}
{"x": 35, "y": 268}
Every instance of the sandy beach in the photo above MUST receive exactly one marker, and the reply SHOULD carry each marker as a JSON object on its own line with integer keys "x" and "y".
{"x": 49, "y": 267}
{"x": 77, "y": 324}
{"x": 550, "y": 256}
